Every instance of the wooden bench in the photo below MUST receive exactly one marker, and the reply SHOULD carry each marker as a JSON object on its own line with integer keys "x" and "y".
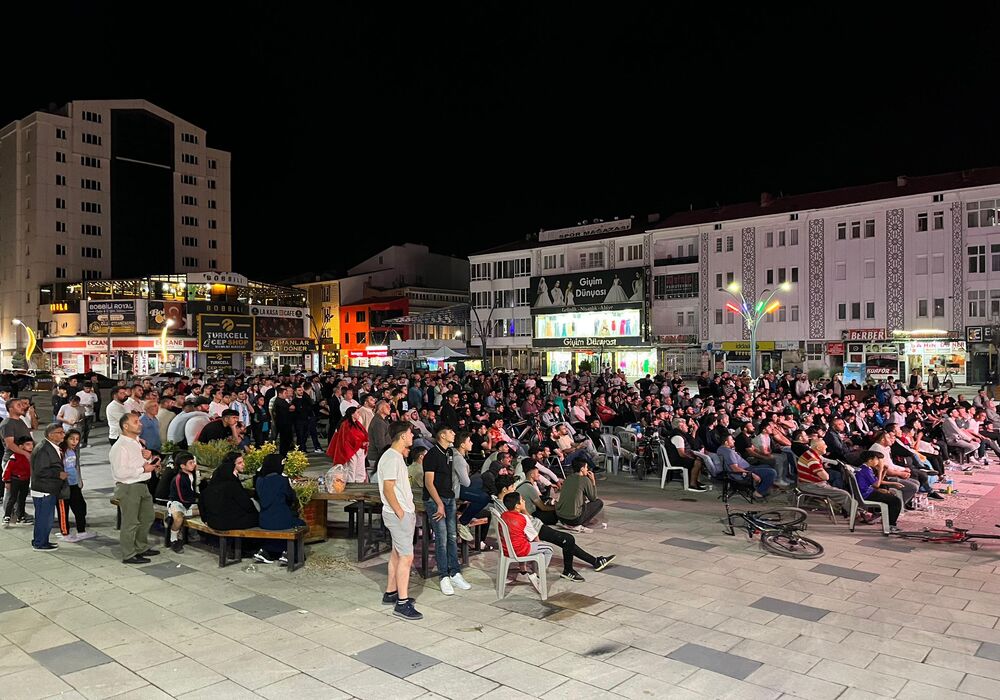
{"x": 294, "y": 536}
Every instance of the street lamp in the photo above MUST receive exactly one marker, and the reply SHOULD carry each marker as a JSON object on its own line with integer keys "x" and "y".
{"x": 31, "y": 341}
{"x": 753, "y": 314}
{"x": 163, "y": 340}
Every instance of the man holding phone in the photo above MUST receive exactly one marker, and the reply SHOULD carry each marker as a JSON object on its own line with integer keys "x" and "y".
{"x": 132, "y": 465}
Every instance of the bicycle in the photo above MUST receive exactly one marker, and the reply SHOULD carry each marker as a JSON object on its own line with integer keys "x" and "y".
{"x": 952, "y": 535}
{"x": 779, "y": 530}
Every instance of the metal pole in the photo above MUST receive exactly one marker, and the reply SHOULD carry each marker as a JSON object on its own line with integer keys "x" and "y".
{"x": 753, "y": 349}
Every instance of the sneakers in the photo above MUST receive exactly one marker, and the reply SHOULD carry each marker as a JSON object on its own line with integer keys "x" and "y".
{"x": 6, "y": 522}
{"x": 25, "y": 520}
{"x": 602, "y": 562}
{"x": 390, "y": 598}
{"x": 572, "y": 576}
{"x": 177, "y": 546}
{"x": 935, "y": 495}
{"x": 262, "y": 557}
{"x": 446, "y": 586}
{"x": 893, "y": 528}
{"x": 319, "y": 451}
{"x": 71, "y": 538}
{"x": 697, "y": 487}
{"x": 465, "y": 533}
{"x": 85, "y": 536}
{"x": 48, "y": 547}
{"x": 535, "y": 583}
{"x": 405, "y": 610}
{"x": 581, "y": 529}
{"x": 283, "y": 559}
{"x": 459, "y": 582}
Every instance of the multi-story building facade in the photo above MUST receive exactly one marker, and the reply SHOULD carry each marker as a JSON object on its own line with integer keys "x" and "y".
{"x": 882, "y": 279}
{"x": 324, "y": 310}
{"x": 101, "y": 189}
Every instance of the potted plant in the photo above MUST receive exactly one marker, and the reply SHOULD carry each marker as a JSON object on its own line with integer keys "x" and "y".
{"x": 312, "y": 511}
{"x": 210, "y": 454}
{"x": 253, "y": 458}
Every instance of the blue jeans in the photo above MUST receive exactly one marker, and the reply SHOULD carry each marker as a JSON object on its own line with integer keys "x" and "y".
{"x": 477, "y": 501}
{"x": 445, "y": 537}
{"x": 45, "y": 509}
{"x": 767, "y": 476}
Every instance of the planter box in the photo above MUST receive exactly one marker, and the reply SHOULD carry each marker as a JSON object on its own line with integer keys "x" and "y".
{"x": 314, "y": 513}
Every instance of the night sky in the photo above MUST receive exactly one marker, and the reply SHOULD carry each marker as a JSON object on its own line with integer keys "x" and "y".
{"x": 474, "y": 125}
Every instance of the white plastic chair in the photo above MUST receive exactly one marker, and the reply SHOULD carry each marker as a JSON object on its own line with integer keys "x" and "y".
{"x": 667, "y": 467}
{"x": 852, "y": 482}
{"x": 507, "y": 559}
{"x": 612, "y": 451}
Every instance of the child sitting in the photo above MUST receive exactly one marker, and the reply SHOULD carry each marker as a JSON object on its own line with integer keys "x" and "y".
{"x": 523, "y": 535}
{"x": 18, "y": 476}
{"x": 183, "y": 497}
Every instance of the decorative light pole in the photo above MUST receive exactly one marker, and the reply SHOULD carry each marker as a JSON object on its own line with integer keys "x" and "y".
{"x": 753, "y": 315}
{"x": 32, "y": 344}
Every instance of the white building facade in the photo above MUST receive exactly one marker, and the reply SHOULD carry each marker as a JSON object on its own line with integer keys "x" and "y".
{"x": 102, "y": 189}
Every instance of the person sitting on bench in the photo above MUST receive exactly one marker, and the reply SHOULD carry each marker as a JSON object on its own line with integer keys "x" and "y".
{"x": 224, "y": 503}
{"x": 183, "y": 496}
{"x": 277, "y": 501}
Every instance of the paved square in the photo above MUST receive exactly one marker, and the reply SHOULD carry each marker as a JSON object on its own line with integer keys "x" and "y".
{"x": 719, "y": 661}
{"x": 392, "y": 658}
{"x": 843, "y": 572}
{"x": 623, "y": 571}
{"x": 262, "y": 606}
{"x": 70, "y": 658}
{"x": 689, "y": 544}
{"x": 784, "y": 607}
{"x": 166, "y": 570}
{"x": 9, "y": 602}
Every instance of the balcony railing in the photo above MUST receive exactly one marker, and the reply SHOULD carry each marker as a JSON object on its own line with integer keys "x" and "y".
{"x": 676, "y": 293}
{"x": 673, "y": 260}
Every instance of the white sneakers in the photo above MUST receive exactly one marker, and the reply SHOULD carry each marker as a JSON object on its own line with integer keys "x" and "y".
{"x": 450, "y": 583}
{"x": 465, "y": 533}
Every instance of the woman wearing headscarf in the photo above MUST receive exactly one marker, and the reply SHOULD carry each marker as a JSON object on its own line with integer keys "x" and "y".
{"x": 278, "y": 507}
{"x": 349, "y": 445}
{"x": 225, "y": 504}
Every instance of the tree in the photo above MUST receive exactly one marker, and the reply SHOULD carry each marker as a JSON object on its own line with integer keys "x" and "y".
{"x": 483, "y": 331}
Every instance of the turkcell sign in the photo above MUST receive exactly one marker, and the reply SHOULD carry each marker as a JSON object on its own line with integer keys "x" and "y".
{"x": 225, "y": 333}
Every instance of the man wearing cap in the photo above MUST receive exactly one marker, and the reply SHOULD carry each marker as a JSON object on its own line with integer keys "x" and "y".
{"x": 222, "y": 428}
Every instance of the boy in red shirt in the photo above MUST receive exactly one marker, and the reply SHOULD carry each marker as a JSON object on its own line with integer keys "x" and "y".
{"x": 523, "y": 535}
{"x": 18, "y": 475}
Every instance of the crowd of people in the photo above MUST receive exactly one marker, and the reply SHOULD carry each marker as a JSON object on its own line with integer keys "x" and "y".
{"x": 506, "y": 446}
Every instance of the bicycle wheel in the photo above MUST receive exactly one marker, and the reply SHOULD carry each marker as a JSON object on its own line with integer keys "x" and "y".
{"x": 782, "y": 517}
{"x": 786, "y": 543}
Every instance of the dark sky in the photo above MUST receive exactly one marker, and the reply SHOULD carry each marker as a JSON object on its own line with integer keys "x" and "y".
{"x": 472, "y": 125}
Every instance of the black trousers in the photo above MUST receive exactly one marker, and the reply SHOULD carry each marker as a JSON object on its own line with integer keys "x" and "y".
{"x": 88, "y": 423}
{"x": 590, "y": 511}
{"x": 285, "y": 438}
{"x": 568, "y": 544}
{"x": 894, "y": 503}
{"x": 17, "y": 493}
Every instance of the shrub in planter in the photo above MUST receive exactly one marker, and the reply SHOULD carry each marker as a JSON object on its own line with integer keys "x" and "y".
{"x": 253, "y": 458}
{"x": 209, "y": 454}
{"x": 584, "y": 366}
{"x": 296, "y": 464}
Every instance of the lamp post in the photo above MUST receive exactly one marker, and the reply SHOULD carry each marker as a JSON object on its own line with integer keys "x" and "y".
{"x": 32, "y": 343}
{"x": 163, "y": 341}
{"x": 752, "y": 315}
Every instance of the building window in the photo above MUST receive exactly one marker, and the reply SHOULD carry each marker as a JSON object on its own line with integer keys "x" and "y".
{"x": 977, "y": 259}
{"x": 730, "y": 318}
{"x": 592, "y": 259}
{"x": 842, "y": 231}
{"x": 841, "y": 272}
{"x": 718, "y": 245}
{"x": 938, "y": 198}
{"x": 782, "y": 314}
{"x": 60, "y": 203}
{"x": 982, "y": 213}
{"x": 522, "y": 297}
{"x": 213, "y": 244}
{"x": 60, "y": 133}
{"x": 60, "y": 227}
{"x": 90, "y": 229}
{"x": 212, "y": 264}
{"x": 718, "y": 280}
{"x": 90, "y": 207}
{"x": 855, "y": 229}
{"x": 869, "y": 228}
{"x": 359, "y": 317}
{"x": 795, "y": 275}
{"x": 191, "y": 180}
{"x": 855, "y": 310}
{"x": 61, "y": 180}
{"x": 718, "y": 317}
{"x": 937, "y": 263}
{"x": 190, "y": 262}
{"x": 90, "y": 184}
{"x": 347, "y": 338}
{"x": 89, "y": 162}
{"x": 793, "y": 313}
{"x": 189, "y": 241}
{"x": 549, "y": 262}
{"x": 211, "y": 204}
{"x": 189, "y": 200}
{"x": 189, "y": 138}
{"x": 189, "y": 158}
{"x": 680, "y": 318}
{"x": 212, "y": 165}
{"x": 781, "y": 275}
{"x": 922, "y": 221}
{"x": 522, "y": 267}
{"x": 717, "y": 227}
{"x": 359, "y": 337}
{"x": 481, "y": 271}
{"x": 91, "y": 117}
{"x": 92, "y": 139}
{"x": 939, "y": 307}
{"x": 61, "y": 273}
{"x": 793, "y": 235}
{"x": 921, "y": 308}
{"x": 212, "y": 224}
{"x": 729, "y": 244}
{"x": 869, "y": 269}
{"x": 769, "y": 276}
{"x": 60, "y": 249}
{"x": 793, "y": 217}
{"x": 211, "y": 184}
{"x": 995, "y": 257}
{"x": 782, "y": 238}
{"x": 869, "y": 309}
{"x": 189, "y": 220}
{"x": 977, "y": 303}
{"x": 90, "y": 252}
{"x": 994, "y": 302}
{"x": 60, "y": 157}
{"x": 938, "y": 220}
{"x": 91, "y": 274}
{"x": 630, "y": 252}
{"x": 769, "y": 239}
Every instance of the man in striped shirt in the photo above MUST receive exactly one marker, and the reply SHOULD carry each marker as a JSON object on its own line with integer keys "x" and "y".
{"x": 814, "y": 479}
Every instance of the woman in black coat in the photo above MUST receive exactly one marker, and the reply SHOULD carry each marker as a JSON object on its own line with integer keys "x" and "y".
{"x": 225, "y": 504}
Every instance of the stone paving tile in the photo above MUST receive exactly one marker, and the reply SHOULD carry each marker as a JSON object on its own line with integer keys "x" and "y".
{"x": 373, "y": 684}
{"x": 660, "y": 667}
{"x": 628, "y": 506}
{"x": 627, "y": 572}
{"x": 166, "y": 569}
{"x": 887, "y": 545}
{"x": 262, "y": 606}
{"x": 37, "y": 683}
{"x": 795, "y": 683}
{"x": 989, "y": 650}
{"x": 104, "y": 681}
{"x": 843, "y": 653}
{"x": 781, "y": 657}
{"x": 225, "y": 689}
{"x": 451, "y": 682}
{"x": 715, "y": 685}
{"x": 397, "y": 660}
{"x": 878, "y": 682}
{"x": 301, "y": 687}
{"x": 45, "y": 636}
{"x": 719, "y": 661}
{"x": 522, "y": 676}
{"x": 918, "y": 672}
{"x": 783, "y": 607}
{"x": 69, "y": 658}
{"x": 640, "y": 687}
{"x": 9, "y": 602}
{"x": 979, "y": 686}
{"x": 530, "y": 607}
{"x": 180, "y": 676}
{"x": 689, "y": 544}
{"x": 842, "y": 572}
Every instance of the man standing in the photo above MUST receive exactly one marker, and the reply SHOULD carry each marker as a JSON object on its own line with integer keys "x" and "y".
{"x": 88, "y": 400}
{"x": 115, "y": 410}
{"x": 131, "y": 466}
{"x": 47, "y": 479}
{"x": 303, "y": 412}
{"x": 439, "y": 500}
{"x": 449, "y": 411}
{"x": 283, "y": 420}
{"x": 399, "y": 516}
{"x": 378, "y": 433}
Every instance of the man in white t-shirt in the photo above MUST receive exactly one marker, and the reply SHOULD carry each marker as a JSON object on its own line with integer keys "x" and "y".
{"x": 399, "y": 516}
{"x": 70, "y": 414}
{"x": 88, "y": 400}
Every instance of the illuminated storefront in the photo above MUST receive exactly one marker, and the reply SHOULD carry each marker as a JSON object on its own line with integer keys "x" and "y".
{"x": 371, "y": 356}
{"x": 898, "y": 358}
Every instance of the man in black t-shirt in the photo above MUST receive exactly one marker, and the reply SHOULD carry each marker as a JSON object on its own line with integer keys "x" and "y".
{"x": 221, "y": 429}
{"x": 439, "y": 501}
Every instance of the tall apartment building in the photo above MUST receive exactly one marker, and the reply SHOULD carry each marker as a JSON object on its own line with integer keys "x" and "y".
{"x": 884, "y": 279}
{"x": 100, "y": 189}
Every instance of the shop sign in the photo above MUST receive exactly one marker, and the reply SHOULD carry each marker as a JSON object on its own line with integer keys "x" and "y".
{"x": 883, "y": 348}
{"x": 162, "y": 311}
{"x": 289, "y": 346}
{"x": 594, "y": 342}
{"x": 404, "y": 354}
{"x": 111, "y": 317}
{"x": 64, "y": 307}
{"x": 225, "y": 333}
{"x": 219, "y": 361}
{"x": 744, "y": 345}
{"x": 598, "y": 229}
{"x": 217, "y": 278}
{"x": 196, "y": 307}
{"x": 588, "y": 291}
{"x": 979, "y": 334}
{"x": 278, "y": 311}
{"x": 370, "y": 351}
{"x": 864, "y": 334}
{"x": 917, "y": 347}
{"x": 279, "y": 326}
{"x": 834, "y": 348}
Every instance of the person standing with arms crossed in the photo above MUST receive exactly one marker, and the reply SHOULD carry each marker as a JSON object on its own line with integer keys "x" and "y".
{"x": 399, "y": 516}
